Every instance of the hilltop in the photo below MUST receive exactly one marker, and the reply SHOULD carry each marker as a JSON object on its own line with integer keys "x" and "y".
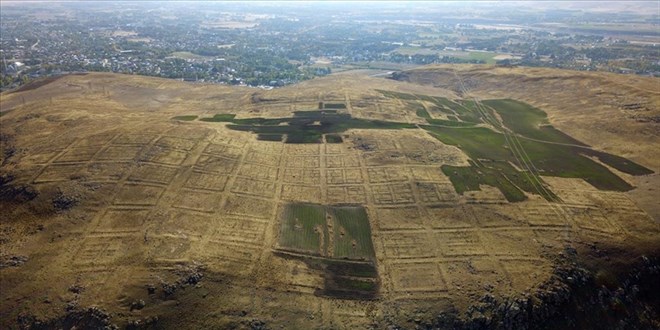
{"x": 447, "y": 196}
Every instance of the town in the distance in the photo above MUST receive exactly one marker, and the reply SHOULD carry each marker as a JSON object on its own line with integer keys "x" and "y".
{"x": 268, "y": 45}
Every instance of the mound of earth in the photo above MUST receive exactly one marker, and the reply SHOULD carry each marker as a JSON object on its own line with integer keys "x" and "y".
{"x": 435, "y": 199}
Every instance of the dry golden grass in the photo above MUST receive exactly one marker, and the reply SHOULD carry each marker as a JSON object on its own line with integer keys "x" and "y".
{"x": 154, "y": 199}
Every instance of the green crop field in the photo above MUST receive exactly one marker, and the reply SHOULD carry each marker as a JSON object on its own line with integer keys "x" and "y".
{"x": 497, "y": 174}
{"x": 270, "y": 137}
{"x": 352, "y": 269}
{"x": 522, "y": 138}
{"x": 445, "y": 102}
{"x": 420, "y": 110}
{"x": 466, "y": 110}
{"x": 304, "y": 137}
{"x": 476, "y": 142}
{"x": 304, "y": 228}
{"x": 349, "y": 271}
{"x": 546, "y": 159}
{"x": 620, "y": 163}
{"x": 355, "y": 284}
{"x": 451, "y": 123}
{"x": 304, "y": 126}
{"x": 334, "y": 106}
{"x": 185, "y": 118}
{"x": 444, "y": 110}
{"x": 220, "y": 118}
{"x": 352, "y": 234}
{"x": 487, "y": 57}
{"x": 333, "y": 138}
{"x": 528, "y": 121}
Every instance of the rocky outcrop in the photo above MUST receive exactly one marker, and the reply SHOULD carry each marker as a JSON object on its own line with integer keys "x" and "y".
{"x": 571, "y": 299}
{"x": 15, "y": 193}
{"x": 90, "y": 318}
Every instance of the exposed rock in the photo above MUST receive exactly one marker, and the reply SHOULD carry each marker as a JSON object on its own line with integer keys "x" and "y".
{"x": 190, "y": 274}
{"x": 12, "y": 261}
{"x": 15, "y": 193}
{"x": 138, "y": 304}
{"x": 7, "y": 147}
{"x": 257, "y": 325}
{"x": 77, "y": 289}
{"x": 151, "y": 289}
{"x": 148, "y": 322}
{"x": 90, "y": 318}
{"x": 63, "y": 202}
{"x": 169, "y": 288}
{"x": 570, "y": 299}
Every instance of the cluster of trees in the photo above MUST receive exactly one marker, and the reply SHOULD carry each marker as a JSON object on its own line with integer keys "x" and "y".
{"x": 8, "y": 81}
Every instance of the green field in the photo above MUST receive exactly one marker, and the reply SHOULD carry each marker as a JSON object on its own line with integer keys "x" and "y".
{"x": 499, "y": 174}
{"x": 548, "y": 159}
{"x": 304, "y": 228}
{"x": 444, "y": 102}
{"x": 465, "y": 110}
{"x": 304, "y": 126}
{"x": 303, "y": 137}
{"x": 487, "y": 57}
{"x": 523, "y": 138}
{"x": 512, "y": 154}
{"x": 420, "y": 111}
{"x": 352, "y": 269}
{"x": 270, "y": 137}
{"x": 220, "y": 118}
{"x": 532, "y": 123}
{"x": 343, "y": 279}
{"x": 451, "y": 123}
{"x": 622, "y": 164}
{"x": 334, "y": 106}
{"x": 333, "y": 138}
{"x": 185, "y": 118}
{"x": 352, "y": 234}
{"x": 528, "y": 121}
{"x": 350, "y": 284}
{"x": 349, "y": 270}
